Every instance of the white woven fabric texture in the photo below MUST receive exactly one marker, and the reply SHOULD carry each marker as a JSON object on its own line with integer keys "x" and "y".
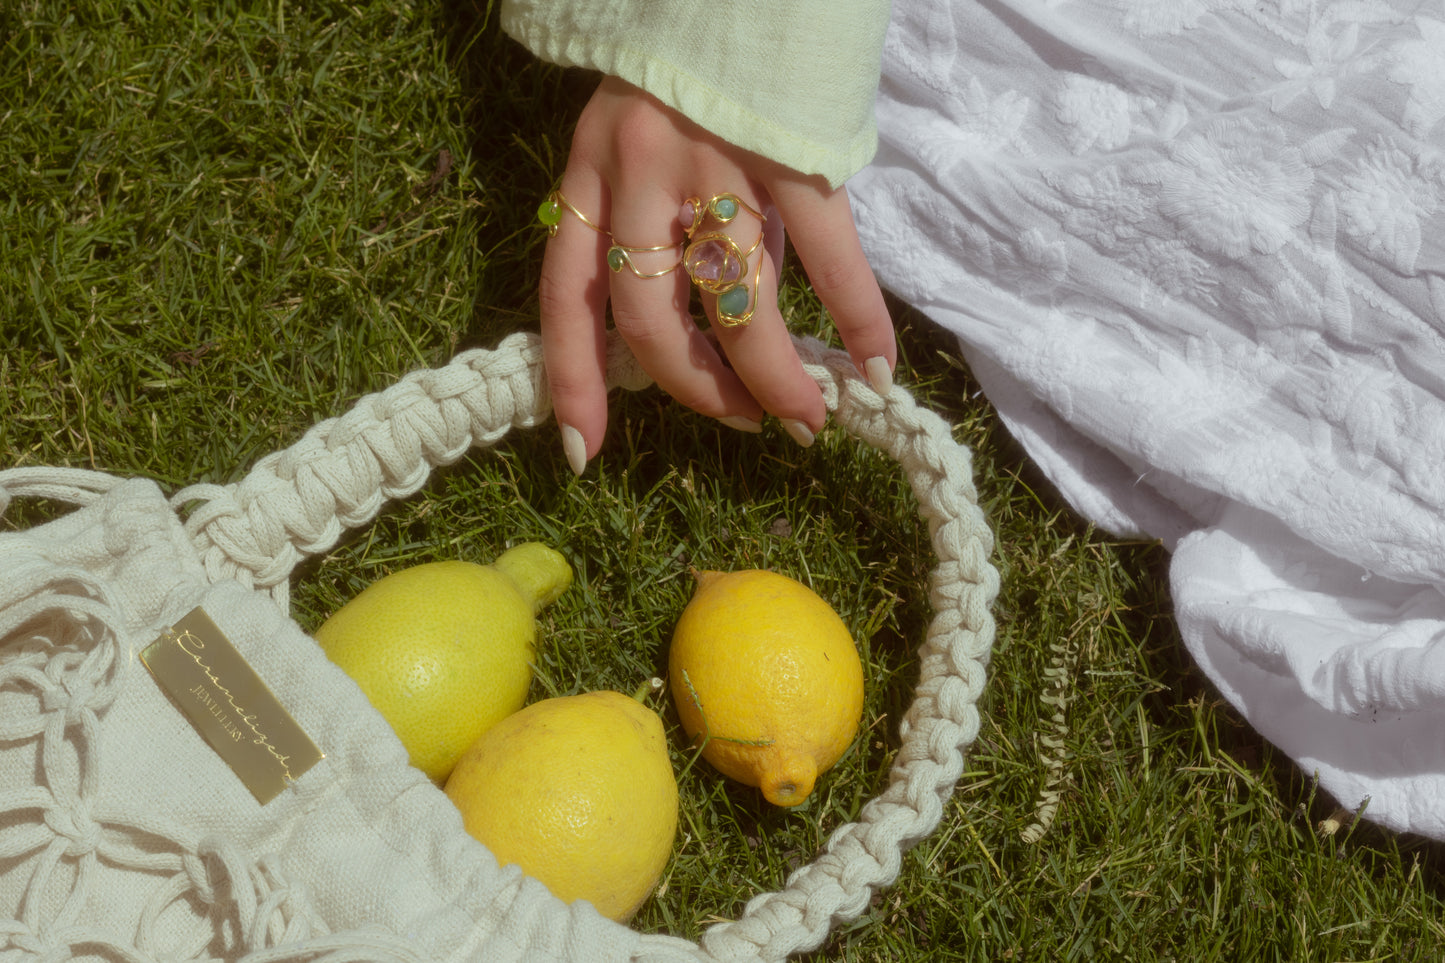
{"x": 138, "y": 837}
{"x": 121, "y": 831}
{"x": 1195, "y": 252}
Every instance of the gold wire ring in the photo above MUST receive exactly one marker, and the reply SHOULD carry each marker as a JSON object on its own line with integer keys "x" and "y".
{"x": 715, "y": 261}
{"x": 722, "y": 207}
{"x": 735, "y": 306}
{"x": 619, "y": 256}
{"x": 719, "y": 267}
{"x": 550, "y": 214}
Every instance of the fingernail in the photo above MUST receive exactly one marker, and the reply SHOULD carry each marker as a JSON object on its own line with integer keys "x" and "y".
{"x": 742, "y": 424}
{"x": 798, "y": 431}
{"x": 879, "y": 375}
{"x": 575, "y": 448}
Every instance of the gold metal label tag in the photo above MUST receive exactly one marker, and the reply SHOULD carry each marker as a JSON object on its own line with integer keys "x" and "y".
{"x": 233, "y": 710}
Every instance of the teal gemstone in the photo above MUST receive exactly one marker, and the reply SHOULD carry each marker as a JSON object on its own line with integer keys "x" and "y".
{"x": 616, "y": 259}
{"x": 725, "y": 208}
{"x": 550, "y": 213}
{"x": 733, "y": 302}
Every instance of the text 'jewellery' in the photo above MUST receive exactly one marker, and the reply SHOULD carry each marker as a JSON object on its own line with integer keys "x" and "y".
{"x": 715, "y": 261}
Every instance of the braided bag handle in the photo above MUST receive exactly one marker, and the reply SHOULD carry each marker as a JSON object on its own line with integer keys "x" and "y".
{"x": 297, "y": 502}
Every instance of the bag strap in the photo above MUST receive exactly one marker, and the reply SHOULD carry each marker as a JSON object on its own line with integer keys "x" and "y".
{"x": 297, "y": 502}
{"x": 864, "y": 856}
{"x": 74, "y": 486}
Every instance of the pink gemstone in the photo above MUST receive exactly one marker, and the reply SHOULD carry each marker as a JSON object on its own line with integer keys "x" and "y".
{"x": 710, "y": 259}
{"x": 686, "y": 214}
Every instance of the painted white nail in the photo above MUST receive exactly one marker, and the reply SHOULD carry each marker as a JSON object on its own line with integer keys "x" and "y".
{"x": 798, "y": 431}
{"x": 879, "y": 375}
{"x": 575, "y": 448}
{"x": 742, "y": 424}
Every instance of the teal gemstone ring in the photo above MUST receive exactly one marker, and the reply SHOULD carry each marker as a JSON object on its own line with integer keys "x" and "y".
{"x": 715, "y": 261}
{"x": 720, "y": 207}
{"x": 619, "y": 256}
{"x": 719, "y": 267}
{"x": 710, "y": 255}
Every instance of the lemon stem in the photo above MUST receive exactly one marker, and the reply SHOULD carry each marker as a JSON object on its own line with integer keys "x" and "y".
{"x": 646, "y": 689}
{"x": 705, "y": 577}
{"x": 541, "y": 572}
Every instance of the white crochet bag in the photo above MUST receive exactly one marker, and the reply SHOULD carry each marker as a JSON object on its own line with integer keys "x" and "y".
{"x": 124, "y": 837}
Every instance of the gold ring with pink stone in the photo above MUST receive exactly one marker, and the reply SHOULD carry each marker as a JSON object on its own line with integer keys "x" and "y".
{"x": 715, "y": 261}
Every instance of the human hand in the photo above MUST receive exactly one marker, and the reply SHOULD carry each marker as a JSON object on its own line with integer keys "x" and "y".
{"x": 633, "y": 164}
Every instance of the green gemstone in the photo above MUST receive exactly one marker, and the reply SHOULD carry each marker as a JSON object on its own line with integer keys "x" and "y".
{"x": 725, "y": 208}
{"x": 733, "y": 302}
{"x": 550, "y": 213}
{"x": 616, "y": 259}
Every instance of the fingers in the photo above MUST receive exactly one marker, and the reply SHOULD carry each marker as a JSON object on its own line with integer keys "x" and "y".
{"x": 825, "y": 239}
{"x": 572, "y": 296}
{"x": 650, "y": 294}
{"x": 631, "y": 164}
{"x": 762, "y": 354}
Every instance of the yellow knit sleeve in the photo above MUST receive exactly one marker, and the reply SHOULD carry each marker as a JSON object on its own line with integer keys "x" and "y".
{"x": 793, "y": 80}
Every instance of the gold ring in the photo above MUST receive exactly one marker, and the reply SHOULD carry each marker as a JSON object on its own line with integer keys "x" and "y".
{"x": 619, "y": 256}
{"x": 723, "y": 207}
{"x": 550, "y": 214}
{"x": 715, "y": 261}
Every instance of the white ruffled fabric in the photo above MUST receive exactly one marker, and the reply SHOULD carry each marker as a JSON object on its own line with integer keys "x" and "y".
{"x": 1193, "y": 251}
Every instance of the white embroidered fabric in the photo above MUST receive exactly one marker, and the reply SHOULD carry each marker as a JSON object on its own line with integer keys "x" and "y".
{"x": 1193, "y": 251}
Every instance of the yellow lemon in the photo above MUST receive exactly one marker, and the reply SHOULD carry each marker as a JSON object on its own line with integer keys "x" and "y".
{"x": 767, "y": 674}
{"x": 445, "y": 649}
{"x": 579, "y": 792}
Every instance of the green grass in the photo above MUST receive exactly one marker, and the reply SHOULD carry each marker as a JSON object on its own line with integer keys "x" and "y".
{"x": 221, "y": 223}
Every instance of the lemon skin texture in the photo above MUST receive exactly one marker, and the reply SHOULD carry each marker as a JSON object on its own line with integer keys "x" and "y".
{"x": 766, "y": 675}
{"x": 444, "y": 650}
{"x": 578, "y": 791}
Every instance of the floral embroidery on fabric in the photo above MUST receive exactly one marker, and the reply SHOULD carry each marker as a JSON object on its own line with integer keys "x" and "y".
{"x": 1150, "y": 17}
{"x": 1420, "y": 64}
{"x": 1171, "y": 267}
{"x": 1233, "y": 188}
{"x": 1289, "y": 8}
{"x": 1036, "y": 264}
{"x": 986, "y": 121}
{"x": 1103, "y": 208}
{"x": 1210, "y": 295}
{"x": 1383, "y": 200}
{"x": 1363, "y": 404}
{"x": 966, "y": 240}
{"x": 1094, "y": 114}
{"x": 1330, "y": 57}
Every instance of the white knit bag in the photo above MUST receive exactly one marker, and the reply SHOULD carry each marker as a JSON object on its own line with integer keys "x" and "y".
{"x": 124, "y": 837}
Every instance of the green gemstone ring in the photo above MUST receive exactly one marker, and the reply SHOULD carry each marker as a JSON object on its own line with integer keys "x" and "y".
{"x": 712, "y": 258}
{"x": 716, "y": 262}
{"x": 721, "y": 207}
{"x": 732, "y": 305}
{"x": 549, "y": 214}
{"x": 619, "y": 256}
